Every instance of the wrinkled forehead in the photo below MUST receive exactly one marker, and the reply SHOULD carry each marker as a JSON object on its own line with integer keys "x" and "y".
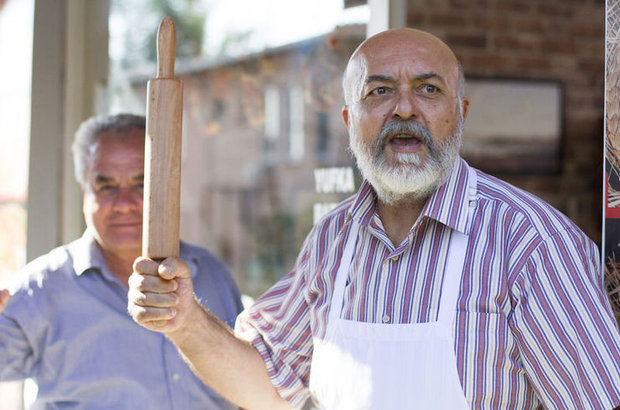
{"x": 401, "y": 52}
{"x": 128, "y": 140}
{"x": 115, "y": 149}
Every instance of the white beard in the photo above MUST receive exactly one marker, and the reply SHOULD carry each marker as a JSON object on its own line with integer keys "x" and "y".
{"x": 412, "y": 177}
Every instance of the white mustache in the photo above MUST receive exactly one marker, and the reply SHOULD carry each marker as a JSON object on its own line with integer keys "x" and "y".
{"x": 405, "y": 127}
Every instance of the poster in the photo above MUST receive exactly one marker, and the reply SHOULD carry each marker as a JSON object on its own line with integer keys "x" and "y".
{"x": 611, "y": 211}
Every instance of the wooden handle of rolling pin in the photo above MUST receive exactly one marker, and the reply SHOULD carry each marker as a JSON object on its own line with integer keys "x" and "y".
{"x": 162, "y": 155}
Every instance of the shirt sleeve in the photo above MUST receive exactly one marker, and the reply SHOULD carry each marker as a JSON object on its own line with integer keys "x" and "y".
{"x": 17, "y": 356}
{"x": 278, "y": 325}
{"x": 567, "y": 335}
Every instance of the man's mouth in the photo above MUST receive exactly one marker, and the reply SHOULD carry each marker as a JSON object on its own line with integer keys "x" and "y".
{"x": 405, "y": 143}
{"x": 126, "y": 224}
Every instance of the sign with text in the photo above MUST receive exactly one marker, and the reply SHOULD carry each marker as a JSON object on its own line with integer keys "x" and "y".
{"x": 332, "y": 180}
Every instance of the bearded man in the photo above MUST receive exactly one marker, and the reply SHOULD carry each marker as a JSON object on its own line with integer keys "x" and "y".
{"x": 436, "y": 286}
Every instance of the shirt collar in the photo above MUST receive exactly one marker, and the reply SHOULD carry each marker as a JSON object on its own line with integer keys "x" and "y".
{"x": 448, "y": 204}
{"x": 87, "y": 255}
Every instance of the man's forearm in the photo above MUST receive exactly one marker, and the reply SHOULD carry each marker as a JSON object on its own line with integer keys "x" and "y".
{"x": 230, "y": 366}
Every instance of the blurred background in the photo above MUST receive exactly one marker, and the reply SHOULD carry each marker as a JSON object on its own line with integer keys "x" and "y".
{"x": 264, "y": 147}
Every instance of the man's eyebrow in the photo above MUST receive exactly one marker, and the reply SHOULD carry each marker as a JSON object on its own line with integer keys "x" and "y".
{"x": 387, "y": 78}
{"x": 102, "y": 179}
{"x": 379, "y": 78}
{"x": 139, "y": 177}
{"x": 427, "y": 76}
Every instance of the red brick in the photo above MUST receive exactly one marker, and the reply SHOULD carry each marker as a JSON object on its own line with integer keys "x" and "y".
{"x": 530, "y": 25}
{"x": 416, "y": 17}
{"x": 469, "y": 41}
{"x": 593, "y": 50}
{"x": 557, "y": 10}
{"x": 514, "y": 42}
{"x": 426, "y": 4}
{"x": 590, "y": 31}
{"x": 513, "y": 6}
{"x": 492, "y": 22}
{"x": 469, "y": 4}
{"x": 448, "y": 19}
{"x": 557, "y": 45}
{"x": 592, "y": 67}
{"x": 533, "y": 63}
{"x": 487, "y": 61}
{"x": 563, "y": 66}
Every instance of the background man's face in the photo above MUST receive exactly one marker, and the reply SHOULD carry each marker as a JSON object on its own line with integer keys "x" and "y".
{"x": 113, "y": 191}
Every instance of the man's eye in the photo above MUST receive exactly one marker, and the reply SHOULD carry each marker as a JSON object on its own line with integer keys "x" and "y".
{"x": 429, "y": 89}
{"x": 379, "y": 91}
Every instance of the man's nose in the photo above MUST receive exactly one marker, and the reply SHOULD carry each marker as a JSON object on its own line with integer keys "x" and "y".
{"x": 127, "y": 199}
{"x": 405, "y": 106}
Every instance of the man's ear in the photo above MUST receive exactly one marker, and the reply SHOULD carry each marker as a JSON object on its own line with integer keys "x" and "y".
{"x": 465, "y": 105}
{"x": 345, "y": 116}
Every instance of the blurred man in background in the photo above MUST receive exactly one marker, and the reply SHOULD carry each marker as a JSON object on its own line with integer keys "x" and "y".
{"x": 66, "y": 325}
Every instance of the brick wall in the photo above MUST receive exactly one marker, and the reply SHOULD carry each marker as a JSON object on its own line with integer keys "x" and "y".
{"x": 560, "y": 40}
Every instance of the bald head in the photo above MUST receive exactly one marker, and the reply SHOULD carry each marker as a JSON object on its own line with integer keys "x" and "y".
{"x": 415, "y": 46}
{"x": 404, "y": 111}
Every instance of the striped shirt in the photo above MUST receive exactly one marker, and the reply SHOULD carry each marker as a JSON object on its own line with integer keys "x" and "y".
{"x": 533, "y": 325}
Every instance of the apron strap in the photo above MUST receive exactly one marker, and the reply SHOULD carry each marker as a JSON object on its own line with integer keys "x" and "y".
{"x": 343, "y": 273}
{"x": 451, "y": 282}
{"x": 453, "y": 272}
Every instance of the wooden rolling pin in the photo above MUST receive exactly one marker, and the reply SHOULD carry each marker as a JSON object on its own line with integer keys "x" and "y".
{"x": 162, "y": 155}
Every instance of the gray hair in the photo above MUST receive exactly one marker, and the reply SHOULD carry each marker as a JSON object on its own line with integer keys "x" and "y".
{"x": 88, "y": 132}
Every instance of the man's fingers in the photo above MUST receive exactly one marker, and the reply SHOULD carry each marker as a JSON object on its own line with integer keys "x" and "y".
{"x": 169, "y": 268}
{"x": 155, "y": 293}
{"x": 145, "y": 266}
{"x": 149, "y": 299}
{"x": 173, "y": 268}
{"x": 146, "y": 315}
{"x": 149, "y": 283}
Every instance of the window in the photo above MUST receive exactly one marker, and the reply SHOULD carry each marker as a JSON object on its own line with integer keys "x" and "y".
{"x": 248, "y": 186}
{"x": 296, "y": 121}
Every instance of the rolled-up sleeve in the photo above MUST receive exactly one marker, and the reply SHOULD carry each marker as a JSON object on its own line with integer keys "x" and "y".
{"x": 278, "y": 325}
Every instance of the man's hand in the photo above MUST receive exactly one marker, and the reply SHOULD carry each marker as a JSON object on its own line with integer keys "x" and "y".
{"x": 161, "y": 295}
{"x": 4, "y": 299}
{"x": 161, "y": 298}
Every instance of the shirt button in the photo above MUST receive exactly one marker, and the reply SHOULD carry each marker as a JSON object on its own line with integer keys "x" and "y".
{"x": 175, "y": 377}
{"x": 385, "y": 318}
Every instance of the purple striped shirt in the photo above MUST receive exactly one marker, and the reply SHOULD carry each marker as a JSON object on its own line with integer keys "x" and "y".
{"x": 533, "y": 324}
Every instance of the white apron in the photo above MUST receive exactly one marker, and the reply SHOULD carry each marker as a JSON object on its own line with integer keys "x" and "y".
{"x": 391, "y": 366}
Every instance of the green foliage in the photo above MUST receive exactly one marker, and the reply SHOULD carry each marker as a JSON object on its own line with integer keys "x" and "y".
{"x": 135, "y": 24}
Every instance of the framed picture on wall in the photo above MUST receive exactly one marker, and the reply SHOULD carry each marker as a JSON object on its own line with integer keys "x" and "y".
{"x": 514, "y": 125}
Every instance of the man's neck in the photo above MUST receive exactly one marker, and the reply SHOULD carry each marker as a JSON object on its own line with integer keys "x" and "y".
{"x": 398, "y": 218}
{"x": 121, "y": 265}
